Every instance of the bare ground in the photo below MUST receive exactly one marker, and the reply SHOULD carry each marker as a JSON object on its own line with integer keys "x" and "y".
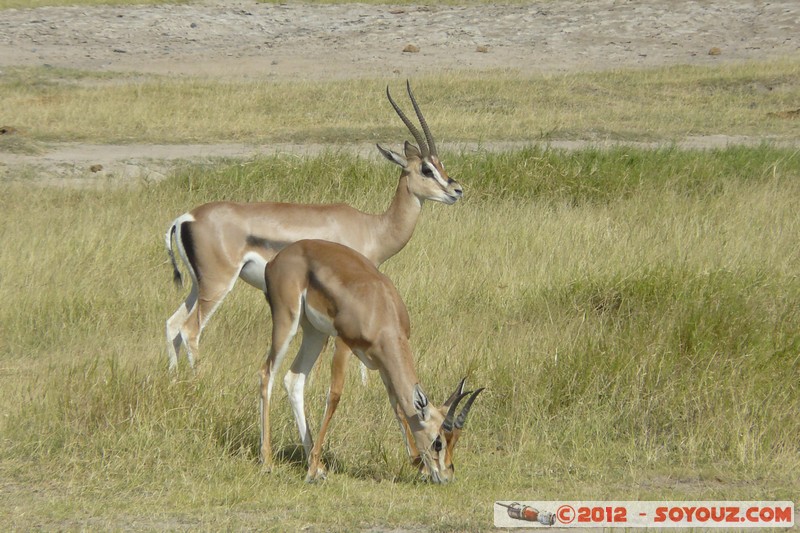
{"x": 244, "y": 39}
{"x": 236, "y": 38}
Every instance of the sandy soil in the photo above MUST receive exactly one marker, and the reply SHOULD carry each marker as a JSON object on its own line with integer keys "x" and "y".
{"x": 246, "y": 39}
{"x": 234, "y": 38}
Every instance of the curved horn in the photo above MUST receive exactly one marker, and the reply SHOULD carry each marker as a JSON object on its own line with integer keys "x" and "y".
{"x": 411, "y": 127}
{"x": 447, "y": 425}
{"x": 462, "y": 416}
{"x": 458, "y": 392}
{"x": 425, "y": 128}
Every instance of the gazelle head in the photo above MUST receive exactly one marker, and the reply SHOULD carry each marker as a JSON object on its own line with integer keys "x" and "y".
{"x": 427, "y": 178}
{"x": 440, "y": 431}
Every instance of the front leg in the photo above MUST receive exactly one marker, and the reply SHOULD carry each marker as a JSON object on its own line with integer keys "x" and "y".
{"x": 341, "y": 355}
{"x": 411, "y": 445}
{"x": 408, "y": 436}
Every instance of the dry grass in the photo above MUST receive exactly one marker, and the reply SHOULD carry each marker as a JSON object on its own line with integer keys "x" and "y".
{"x": 661, "y": 104}
{"x": 632, "y": 313}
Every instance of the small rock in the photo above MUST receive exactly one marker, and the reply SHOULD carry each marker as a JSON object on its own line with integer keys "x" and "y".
{"x": 96, "y": 168}
{"x": 714, "y": 51}
{"x": 482, "y": 49}
{"x": 411, "y": 48}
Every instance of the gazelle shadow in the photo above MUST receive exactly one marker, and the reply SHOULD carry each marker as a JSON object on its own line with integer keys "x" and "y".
{"x": 292, "y": 454}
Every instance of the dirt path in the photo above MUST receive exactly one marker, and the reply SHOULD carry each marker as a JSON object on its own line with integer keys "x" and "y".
{"x": 245, "y": 39}
{"x": 72, "y": 164}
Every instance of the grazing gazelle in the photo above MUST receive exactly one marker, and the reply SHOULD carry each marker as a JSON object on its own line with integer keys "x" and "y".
{"x": 331, "y": 290}
{"x": 220, "y": 241}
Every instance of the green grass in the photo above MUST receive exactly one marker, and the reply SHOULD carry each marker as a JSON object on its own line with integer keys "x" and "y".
{"x": 633, "y": 315}
{"x": 667, "y": 103}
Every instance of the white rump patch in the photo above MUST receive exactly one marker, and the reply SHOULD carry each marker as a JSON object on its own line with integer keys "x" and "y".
{"x": 186, "y": 217}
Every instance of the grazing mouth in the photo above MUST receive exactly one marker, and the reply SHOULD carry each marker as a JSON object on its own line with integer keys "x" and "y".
{"x": 436, "y": 478}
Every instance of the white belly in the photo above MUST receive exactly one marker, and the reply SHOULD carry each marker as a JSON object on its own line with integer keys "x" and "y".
{"x": 367, "y": 362}
{"x": 252, "y": 271}
{"x": 321, "y": 321}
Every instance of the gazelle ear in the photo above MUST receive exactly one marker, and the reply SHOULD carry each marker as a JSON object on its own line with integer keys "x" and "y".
{"x": 411, "y": 151}
{"x": 394, "y": 157}
{"x": 421, "y": 404}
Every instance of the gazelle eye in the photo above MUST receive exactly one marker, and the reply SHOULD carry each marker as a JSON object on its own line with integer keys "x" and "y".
{"x": 437, "y": 444}
{"x": 426, "y": 171}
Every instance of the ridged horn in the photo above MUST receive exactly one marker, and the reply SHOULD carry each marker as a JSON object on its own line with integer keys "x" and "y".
{"x": 462, "y": 416}
{"x": 423, "y": 147}
{"x": 458, "y": 392}
{"x": 447, "y": 425}
{"x": 425, "y": 128}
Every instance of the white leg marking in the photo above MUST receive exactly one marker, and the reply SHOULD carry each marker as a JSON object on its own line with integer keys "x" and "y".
{"x": 174, "y": 339}
{"x": 295, "y": 388}
{"x": 310, "y": 348}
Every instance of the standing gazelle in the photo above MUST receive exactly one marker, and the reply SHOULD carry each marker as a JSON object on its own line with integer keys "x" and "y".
{"x": 331, "y": 290}
{"x": 220, "y": 241}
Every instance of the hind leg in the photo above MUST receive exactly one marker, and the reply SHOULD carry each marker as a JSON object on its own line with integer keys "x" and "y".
{"x": 209, "y": 297}
{"x": 285, "y": 322}
{"x": 174, "y": 325}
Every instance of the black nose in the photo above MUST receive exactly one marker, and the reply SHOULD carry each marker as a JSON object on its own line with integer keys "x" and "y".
{"x": 451, "y": 181}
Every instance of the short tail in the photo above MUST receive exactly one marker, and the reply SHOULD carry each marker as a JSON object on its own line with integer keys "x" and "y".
{"x": 176, "y": 273}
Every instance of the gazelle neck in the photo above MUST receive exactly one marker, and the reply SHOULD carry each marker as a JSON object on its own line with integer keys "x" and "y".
{"x": 396, "y": 225}
{"x": 398, "y": 373}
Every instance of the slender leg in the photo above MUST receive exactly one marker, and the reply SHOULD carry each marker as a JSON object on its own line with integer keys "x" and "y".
{"x": 284, "y": 328}
{"x": 405, "y": 429}
{"x": 207, "y": 301}
{"x": 174, "y": 339}
{"x": 316, "y": 469}
{"x": 411, "y": 445}
{"x": 174, "y": 325}
{"x": 313, "y": 342}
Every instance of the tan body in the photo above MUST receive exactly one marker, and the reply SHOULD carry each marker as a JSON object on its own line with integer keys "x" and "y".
{"x": 330, "y": 290}
{"x": 222, "y": 241}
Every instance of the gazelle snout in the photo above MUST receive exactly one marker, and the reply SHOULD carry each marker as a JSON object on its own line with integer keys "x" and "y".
{"x": 454, "y": 189}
